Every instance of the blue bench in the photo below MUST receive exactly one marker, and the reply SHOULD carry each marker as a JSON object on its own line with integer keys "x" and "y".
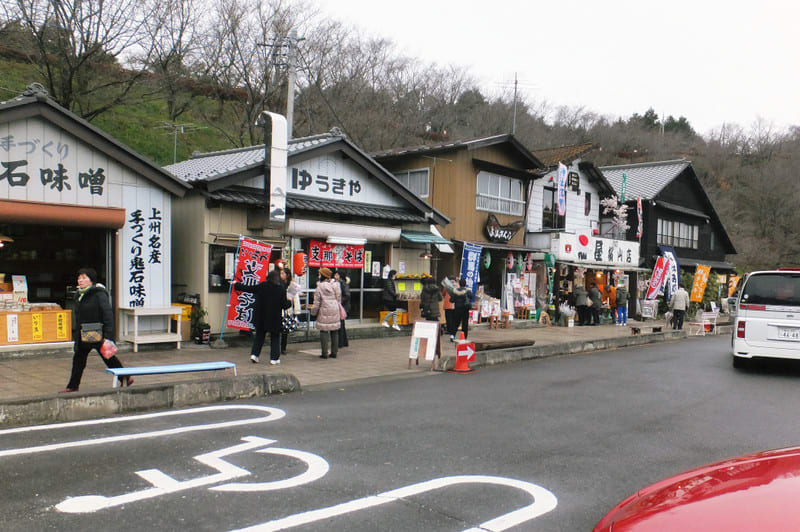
{"x": 172, "y": 368}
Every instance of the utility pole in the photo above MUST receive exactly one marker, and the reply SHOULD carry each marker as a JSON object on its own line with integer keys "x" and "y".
{"x": 514, "y": 123}
{"x": 178, "y": 128}
{"x": 293, "y": 40}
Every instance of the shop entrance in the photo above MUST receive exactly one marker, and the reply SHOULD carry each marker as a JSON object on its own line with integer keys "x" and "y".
{"x": 50, "y": 256}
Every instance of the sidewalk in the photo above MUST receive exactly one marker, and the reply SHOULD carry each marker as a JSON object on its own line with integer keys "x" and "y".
{"x": 34, "y": 379}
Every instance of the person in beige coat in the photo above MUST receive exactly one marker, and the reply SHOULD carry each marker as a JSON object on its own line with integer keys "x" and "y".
{"x": 327, "y": 299}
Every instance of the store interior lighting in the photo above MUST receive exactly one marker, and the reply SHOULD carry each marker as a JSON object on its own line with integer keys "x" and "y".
{"x": 426, "y": 255}
{"x": 346, "y": 240}
{"x": 4, "y": 239}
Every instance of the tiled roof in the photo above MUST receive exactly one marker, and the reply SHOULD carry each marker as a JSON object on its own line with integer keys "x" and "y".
{"x": 565, "y": 154}
{"x": 644, "y": 179}
{"x": 318, "y": 205}
{"x": 436, "y": 147}
{"x": 207, "y": 166}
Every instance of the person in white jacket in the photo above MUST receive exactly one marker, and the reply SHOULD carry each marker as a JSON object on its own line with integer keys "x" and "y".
{"x": 679, "y": 304}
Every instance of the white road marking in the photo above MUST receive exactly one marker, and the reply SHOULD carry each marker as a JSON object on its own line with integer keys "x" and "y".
{"x": 273, "y": 414}
{"x": 164, "y": 484}
{"x": 544, "y": 501}
{"x": 317, "y": 468}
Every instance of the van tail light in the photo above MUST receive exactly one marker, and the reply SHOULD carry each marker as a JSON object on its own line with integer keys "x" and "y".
{"x": 740, "y": 329}
{"x": 753, "y": 307}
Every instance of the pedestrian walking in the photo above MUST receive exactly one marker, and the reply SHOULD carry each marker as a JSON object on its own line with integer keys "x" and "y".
{"x": 389, "y": 298}
{"x": 597, "y": 302}
{"x": 344, "y": 287}
{"x": 462, "y": 301}
{"x": 581, "y": 305}
{"x": 679, "y": 304}
{"x": 327, "y": 302}
{"x": 93, "y": 326}
{"x": 449, "y": 309}
{"x": 621, "y": 302}
{"x": 429, "y": 305}
{"x": 269, "y": 302}
{"x": 293, "y": 291}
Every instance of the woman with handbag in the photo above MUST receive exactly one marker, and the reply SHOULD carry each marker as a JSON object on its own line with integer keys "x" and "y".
{"x": 93, "y": 328}
{"x": 327, "y": 309}
{"x": 289, "y": 322}
{"x": 270, "y": 300}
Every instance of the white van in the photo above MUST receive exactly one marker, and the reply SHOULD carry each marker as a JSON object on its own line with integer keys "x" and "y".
{"x": 767, "y": 320}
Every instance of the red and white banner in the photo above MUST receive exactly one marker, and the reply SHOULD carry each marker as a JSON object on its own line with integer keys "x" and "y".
{"x": 659, "y": 273}
{"x": 640, "y": 225}
{"x": 322, "y": 254}
{"x": 252, "y": 266}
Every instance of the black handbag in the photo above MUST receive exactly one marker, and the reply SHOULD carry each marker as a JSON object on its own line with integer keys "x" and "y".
{"x": 289, "y": 323}
{"x": 91, "y": 333}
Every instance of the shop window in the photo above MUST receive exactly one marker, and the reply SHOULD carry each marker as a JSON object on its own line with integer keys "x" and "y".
{"x": 497, "y": 193}
{"x": 587, "y": 204}
{"x": 220, "y": 267}
{"x": 550, "y": 217}
{"x": 417, "y": 181}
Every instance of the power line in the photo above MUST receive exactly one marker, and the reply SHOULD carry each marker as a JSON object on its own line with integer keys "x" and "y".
{"x": 178, "y": 128}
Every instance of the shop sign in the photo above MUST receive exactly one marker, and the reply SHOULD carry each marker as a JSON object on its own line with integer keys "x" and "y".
{"x": 252, "y": 266}
{"x": 61, "y": 325}
{"x": 144, "y": 249}
{"x": 595, "y": 250}
{"x": 36, "y": 326}
{"x": 322, "y": 254}
{"x": 12, "y": 328}
{"x": 334, "y": 178}
{"x": 501, "y": 233}
{"x": 700, "y": 282}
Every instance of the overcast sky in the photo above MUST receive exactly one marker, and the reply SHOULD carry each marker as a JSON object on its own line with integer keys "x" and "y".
{"x": 710, "y": 61}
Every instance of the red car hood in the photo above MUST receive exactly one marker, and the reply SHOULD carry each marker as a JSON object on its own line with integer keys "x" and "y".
{"x": 753, "y": 492}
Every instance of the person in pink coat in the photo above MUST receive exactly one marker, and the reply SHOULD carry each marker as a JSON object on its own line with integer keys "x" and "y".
{"x": 327, "y": 298}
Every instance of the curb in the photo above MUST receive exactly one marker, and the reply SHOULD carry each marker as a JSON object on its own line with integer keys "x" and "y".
{"x": 517, "y": 354}
{"x": 80, "y": 406}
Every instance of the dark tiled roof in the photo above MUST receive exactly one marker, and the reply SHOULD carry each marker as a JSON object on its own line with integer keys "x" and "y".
{"x": 208, "y": 166}
{"x": 565, "y": 154}
{"x": 318, "y": 205}
{"x": 644, "y": 179}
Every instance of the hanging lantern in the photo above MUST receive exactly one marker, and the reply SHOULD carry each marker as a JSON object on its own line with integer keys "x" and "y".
{"x": 510, "y": 261}
{"x": 300, "y": 264}
{"x": 518, "y": 263}
{"x": 487, "y": 259}
{"x": 529, "y": 262}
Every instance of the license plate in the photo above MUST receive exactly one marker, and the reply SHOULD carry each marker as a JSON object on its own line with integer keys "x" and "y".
{"x": 788, "y": 333}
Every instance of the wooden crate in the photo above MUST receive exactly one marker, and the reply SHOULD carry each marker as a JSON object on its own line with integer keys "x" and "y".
{"x": 37, "y": 327}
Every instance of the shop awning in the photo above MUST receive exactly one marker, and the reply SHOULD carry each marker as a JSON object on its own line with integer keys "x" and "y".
{"x": 497, "y": 245}
{"x": 597, "y": 266}
{"x": 423, "y": 237}
{"x": 715, "y": 265}
{"x": 38, "y": 213}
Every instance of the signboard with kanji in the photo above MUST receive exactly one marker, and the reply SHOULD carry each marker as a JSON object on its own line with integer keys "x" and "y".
{"x": 322, "y": 254}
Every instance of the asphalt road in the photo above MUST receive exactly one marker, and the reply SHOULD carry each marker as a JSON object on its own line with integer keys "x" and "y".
{"x": 566, "y": 437}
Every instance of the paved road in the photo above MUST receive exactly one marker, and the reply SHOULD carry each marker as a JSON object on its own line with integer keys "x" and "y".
{"x": 580, "y": 432}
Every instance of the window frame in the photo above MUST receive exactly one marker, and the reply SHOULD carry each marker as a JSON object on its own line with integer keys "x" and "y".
{"x": 404, "y": 176}
{"x": 557, "y": 221}
{"x": 497, "y": 201}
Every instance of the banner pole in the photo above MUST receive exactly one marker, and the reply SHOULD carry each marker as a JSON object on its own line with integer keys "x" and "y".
{"x": 230, "y": 288}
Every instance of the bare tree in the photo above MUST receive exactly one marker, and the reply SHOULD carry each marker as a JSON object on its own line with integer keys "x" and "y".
{"x": 80, "y": 46}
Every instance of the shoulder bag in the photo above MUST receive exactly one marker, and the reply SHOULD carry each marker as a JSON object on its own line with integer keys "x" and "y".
{"x": 289, "y": 323}
{"x": 92, "y": 333}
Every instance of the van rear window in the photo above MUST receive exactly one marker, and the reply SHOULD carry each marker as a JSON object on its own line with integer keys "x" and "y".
{"x": 781, "y": 289}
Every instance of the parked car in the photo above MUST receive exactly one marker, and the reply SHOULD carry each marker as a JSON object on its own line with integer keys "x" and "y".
{"x": 751, "y": 492}
{"x": 767, "y": 322}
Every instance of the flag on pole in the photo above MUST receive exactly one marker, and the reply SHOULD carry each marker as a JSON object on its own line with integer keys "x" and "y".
{"x": 640, "y": 226}
{"x": 624, "y": 186}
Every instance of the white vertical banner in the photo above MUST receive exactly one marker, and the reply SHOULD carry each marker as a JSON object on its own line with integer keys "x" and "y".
{"x": 278, "y": 155}
{"x": 562, "y": 189}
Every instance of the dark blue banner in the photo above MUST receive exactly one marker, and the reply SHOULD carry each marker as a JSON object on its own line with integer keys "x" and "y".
{"x": 673, "y": 277}
{"x": 470, "y": 262}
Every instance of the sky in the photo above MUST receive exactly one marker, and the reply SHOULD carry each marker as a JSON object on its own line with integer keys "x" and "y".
{"x": 711, "y": 61}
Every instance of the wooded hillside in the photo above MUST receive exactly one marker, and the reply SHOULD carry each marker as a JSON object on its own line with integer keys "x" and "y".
{"x": 151, "y": 72}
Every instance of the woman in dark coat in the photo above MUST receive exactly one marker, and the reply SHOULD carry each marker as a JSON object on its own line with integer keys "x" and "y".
{"x": 270, "y": 300}
{"x": 389, "y": 299}
{"x": 344, "y": 285}
{"x": 92, "y": 307}
{"x": 429, "y": 299}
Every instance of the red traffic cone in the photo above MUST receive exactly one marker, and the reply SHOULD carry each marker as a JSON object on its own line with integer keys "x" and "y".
{"x": 464, "y": 353}
{"x": 461, "y": 337}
